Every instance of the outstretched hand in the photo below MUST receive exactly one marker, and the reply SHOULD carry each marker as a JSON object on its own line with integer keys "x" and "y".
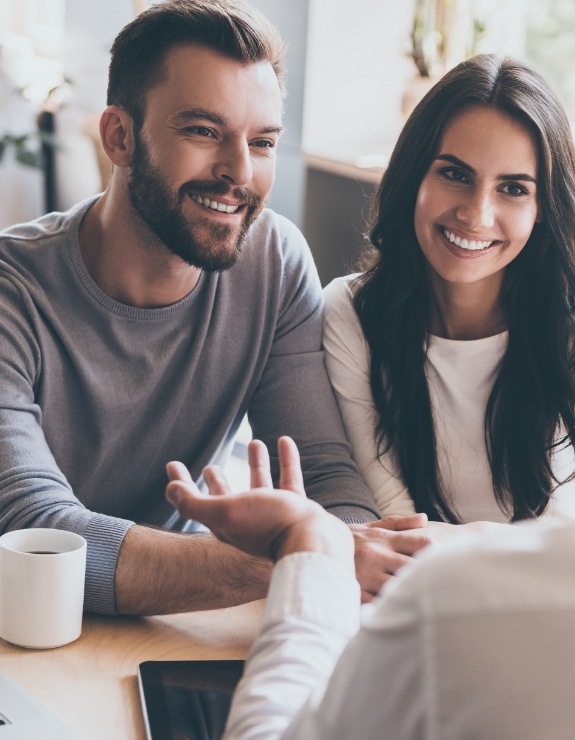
{"x": 264, "y": 521}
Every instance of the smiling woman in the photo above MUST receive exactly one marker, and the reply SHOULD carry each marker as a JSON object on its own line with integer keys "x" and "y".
{"x": 451, "y": 356}
{"x": 474, "y": 213}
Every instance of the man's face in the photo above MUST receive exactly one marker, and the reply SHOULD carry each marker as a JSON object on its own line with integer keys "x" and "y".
{"x": 203, "y": 162}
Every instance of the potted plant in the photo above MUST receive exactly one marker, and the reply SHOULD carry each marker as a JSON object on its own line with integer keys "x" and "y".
{"x": 443, "y": 33}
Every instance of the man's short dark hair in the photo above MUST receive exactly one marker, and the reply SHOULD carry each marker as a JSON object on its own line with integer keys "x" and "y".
{"x": 231, "y": 27}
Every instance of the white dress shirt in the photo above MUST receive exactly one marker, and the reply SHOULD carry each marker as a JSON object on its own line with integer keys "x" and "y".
{"x": 474, "y": 640}
{"x": 460, "y": 377}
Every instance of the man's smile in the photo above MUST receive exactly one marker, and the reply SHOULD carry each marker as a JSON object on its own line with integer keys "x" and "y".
{"x": 214, "y": 204}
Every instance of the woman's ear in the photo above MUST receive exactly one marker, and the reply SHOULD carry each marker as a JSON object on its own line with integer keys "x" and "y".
{"x": 117, "y": 135}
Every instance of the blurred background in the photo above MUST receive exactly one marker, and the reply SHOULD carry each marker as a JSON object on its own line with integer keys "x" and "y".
{"x": 355, "y": 70}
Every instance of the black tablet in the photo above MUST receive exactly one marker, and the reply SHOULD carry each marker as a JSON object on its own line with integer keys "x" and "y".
{"x": 187, "y": 699}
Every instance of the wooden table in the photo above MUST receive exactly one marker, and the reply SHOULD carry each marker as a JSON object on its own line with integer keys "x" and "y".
{"x": 91, "y": 684}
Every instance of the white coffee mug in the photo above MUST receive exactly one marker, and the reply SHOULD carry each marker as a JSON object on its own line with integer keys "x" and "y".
{"x": 42, "y": 574}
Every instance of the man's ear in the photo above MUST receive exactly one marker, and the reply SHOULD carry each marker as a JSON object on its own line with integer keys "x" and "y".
{"x": 117, "y": 135}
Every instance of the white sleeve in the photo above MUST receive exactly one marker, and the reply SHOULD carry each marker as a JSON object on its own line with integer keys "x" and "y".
{"x": 304, "y": 678}
{"x": 311, "y": 613}
{"x": 500, "y": 604}
{"x": 347, "y": 362}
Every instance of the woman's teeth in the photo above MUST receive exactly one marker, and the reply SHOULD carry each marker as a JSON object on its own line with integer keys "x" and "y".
{"x": 214, "y": 205}
{"x": 465, "y": 243}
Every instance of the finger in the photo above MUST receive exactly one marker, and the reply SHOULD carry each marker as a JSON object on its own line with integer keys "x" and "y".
{"x": 216, "y": 481}
{"x": 368, "y": 594}
{"x": 178, "y": 471}
{"x": 259, "y": 461}
{"x": 180, "y": 493}
{"x": 291, "y": 476}
{"x": 399, "y": 522}
{"x": 191, "y": 503}
{"x": 408, "y": 543}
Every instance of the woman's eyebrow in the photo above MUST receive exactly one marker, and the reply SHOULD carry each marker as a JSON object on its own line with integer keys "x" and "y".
{"x": 464, "y": 166}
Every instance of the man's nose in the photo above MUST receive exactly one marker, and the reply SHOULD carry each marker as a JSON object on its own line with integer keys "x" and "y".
{"x": 234, "y": 163}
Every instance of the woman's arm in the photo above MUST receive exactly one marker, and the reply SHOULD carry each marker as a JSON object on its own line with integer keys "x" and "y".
{"x": 347, "y": 362}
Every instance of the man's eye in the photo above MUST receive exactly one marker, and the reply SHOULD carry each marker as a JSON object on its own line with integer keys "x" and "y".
{"x": 199, "y": 130}
{"x": 265, "y": 144}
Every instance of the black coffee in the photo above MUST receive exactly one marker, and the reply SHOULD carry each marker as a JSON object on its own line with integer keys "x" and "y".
{"x": 43, "y": 552}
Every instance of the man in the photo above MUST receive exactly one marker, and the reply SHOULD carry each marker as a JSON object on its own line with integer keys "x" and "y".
{"x": 142, "y": 325}
{"x": 472, "y": 640}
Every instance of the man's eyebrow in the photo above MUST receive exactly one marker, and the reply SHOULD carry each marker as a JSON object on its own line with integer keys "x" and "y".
{"x": 199, "y": 114}
{"x": 464, "y": 166}
{"x": 185, "y": 116}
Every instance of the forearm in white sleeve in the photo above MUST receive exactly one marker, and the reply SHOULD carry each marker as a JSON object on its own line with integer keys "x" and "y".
{"x": 312, "y": 611}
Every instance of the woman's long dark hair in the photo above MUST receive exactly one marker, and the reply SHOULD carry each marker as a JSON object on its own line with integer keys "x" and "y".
{"x": 534, "y": 394}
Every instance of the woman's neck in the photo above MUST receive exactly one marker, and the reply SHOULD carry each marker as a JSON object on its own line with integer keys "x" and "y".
{"x": 466, "y": 312}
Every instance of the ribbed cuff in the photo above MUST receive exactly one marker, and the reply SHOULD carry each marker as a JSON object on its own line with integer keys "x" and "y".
{"x": 104, "y": 536}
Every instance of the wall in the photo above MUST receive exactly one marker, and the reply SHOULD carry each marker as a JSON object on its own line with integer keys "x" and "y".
{"x": 358, "y": 68}
{"x": 90, "y": 29}
{"x": 291, "y": 18}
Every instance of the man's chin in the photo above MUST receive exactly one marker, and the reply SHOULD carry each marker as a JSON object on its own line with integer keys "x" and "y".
{"x": 208, "y": 257}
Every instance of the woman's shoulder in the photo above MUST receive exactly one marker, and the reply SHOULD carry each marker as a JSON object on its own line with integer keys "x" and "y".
{"x": 338, "y": 294}
{"x": 341, "y": 325}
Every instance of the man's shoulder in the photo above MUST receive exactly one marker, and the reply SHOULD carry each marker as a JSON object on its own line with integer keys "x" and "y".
{"x": 51, "y": 227}
{"x": 272, "y": 231}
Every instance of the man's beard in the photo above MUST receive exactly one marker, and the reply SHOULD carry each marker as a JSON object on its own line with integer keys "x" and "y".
{"x": 165, "y": 216}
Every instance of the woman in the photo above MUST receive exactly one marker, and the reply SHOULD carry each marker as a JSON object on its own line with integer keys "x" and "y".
{"x": 452, "y": 356}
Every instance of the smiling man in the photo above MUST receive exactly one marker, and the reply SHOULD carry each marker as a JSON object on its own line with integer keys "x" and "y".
{"x": 142, "y": 325}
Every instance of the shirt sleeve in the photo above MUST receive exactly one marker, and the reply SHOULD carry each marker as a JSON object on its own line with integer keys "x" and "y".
{"x": 311, "y": 612}
{"x": 347, "y": 362}
{"x": 473, "y": 639}
{"x": 310, "y": 676}
{"x": 33, "y": 490}
{"x": 294, "y": 396}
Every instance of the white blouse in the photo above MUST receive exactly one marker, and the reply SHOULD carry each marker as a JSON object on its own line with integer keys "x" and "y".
{"x": 460, "y": 376}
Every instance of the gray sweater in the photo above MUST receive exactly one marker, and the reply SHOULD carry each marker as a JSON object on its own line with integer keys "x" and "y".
{"x": 97, "y": 396}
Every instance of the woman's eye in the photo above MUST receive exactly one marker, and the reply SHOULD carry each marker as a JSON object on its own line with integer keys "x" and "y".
{"x": 512, "y": 188}
{"x": 453, "y": 174}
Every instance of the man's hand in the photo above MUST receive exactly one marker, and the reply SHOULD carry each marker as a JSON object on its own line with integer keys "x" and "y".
{"x": 382, "y": 547}
{"x": 263, "y": 521}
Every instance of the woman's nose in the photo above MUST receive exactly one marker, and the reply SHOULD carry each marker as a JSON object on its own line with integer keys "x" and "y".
{"x": 477, "y": 210}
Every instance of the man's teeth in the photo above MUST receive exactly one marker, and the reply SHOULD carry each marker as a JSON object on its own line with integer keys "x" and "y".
{"x": 214, "y": 204}
{"x": 465, "y": 243}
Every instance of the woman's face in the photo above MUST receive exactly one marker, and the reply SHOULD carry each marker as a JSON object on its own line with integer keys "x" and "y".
{"x": 477, "y": 204}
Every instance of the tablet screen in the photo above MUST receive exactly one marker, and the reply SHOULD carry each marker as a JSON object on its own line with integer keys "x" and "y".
{"x": 187, "y": 699}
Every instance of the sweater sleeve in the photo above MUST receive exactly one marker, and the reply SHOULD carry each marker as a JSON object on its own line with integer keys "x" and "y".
{"x": 33, "y": 490}
{"x": 347, "y": 361}
{"x": 294, "y": 396}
